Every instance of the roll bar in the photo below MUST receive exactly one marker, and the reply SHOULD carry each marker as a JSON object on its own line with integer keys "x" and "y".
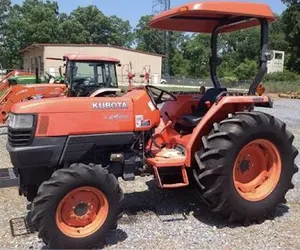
{"x": 264, "y": 54}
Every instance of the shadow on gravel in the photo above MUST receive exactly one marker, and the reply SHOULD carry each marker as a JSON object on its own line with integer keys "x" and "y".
{"x": 174, "y": 205}
{"x": 113, "y": 238}
{"x": 177, "y": 205}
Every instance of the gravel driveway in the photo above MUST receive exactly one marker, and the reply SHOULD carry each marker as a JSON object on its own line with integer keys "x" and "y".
{"x": 175, "y": 219}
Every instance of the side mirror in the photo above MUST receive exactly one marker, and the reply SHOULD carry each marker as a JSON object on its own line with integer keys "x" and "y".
{"x": 119, "y": 64}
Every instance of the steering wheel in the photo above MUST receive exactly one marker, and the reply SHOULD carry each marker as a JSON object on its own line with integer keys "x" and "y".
{"x": 161, "y": 96}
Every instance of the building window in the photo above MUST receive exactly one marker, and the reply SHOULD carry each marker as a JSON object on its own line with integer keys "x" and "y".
{"x": 278, "y": 56}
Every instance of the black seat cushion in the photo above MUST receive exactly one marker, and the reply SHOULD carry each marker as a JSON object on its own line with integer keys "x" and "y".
{"x": 186, "y": 123}
{"x": 209, "y": 96}
{"x": 189, "y": 120}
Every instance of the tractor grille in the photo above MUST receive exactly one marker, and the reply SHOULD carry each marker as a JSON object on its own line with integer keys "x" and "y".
{"x": 19, "y": 137}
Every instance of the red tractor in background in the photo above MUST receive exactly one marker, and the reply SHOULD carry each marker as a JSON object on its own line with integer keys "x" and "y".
{"x": 12, "y": 93}
{"x": 84, "y": 76}
{"x": 68, "y": 153}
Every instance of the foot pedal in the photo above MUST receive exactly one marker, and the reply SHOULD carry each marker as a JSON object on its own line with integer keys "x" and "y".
{"x": 8, "y": 178}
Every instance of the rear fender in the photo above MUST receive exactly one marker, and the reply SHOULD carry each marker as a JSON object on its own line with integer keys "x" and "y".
{"x": 218, "y": 112}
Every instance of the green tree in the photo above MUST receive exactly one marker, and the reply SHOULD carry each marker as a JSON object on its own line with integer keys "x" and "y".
{"x": 147, "y": 39}
{"x": 291, "y": 27}
{"x": 180, "y": 65}
{"x": 290, "y": 2}
{"x": 32, "y": 22}
{"x": 246, "y": 70}
{"x": 102, "y": 29}
{"x": 152, "y": 40}
{"x": 36, "y": 21}
{"x": 72, "y": 31}
{"x": 197, "y": 51}
{"x": 120, "y": 32}
{"x": 277, "y": 38}
{"x": 95, "y": 23}
{"x": 5, "y": 6}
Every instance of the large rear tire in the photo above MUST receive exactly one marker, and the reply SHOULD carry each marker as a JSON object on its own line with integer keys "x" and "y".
{"x": 77, "y": 207}
{"x": 246, "y": 165}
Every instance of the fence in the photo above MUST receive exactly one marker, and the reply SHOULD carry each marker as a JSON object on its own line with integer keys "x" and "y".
{"x": 154, "y": 79}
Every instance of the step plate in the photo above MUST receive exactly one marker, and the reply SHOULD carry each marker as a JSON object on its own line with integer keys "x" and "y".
{"x": 8, "y": 178}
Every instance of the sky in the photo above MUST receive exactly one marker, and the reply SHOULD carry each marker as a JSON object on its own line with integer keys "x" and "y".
{"x": 132, "y": 10}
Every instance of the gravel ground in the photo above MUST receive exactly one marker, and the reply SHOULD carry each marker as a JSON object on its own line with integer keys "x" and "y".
{"x": 175, "y": 219}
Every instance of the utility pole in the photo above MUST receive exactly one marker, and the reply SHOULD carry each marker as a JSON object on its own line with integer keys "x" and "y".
{"x": 157, "y": 7}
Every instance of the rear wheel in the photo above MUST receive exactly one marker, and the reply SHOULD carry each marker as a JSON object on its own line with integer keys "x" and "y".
{"x": 246, "y": 165}
{"x": 77, "y": 207}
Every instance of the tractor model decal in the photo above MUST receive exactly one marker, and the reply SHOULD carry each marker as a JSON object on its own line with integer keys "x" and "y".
{"x": 116, "y": 117}
{"x": 110, "y": 105}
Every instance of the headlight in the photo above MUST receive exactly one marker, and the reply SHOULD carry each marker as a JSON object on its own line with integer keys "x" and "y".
{"x": 20, "y": 121}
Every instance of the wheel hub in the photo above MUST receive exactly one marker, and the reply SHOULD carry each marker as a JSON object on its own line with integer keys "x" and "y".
{"x": 81, "y": 209}
{"x": 257, "y": 170}
{"x": 81, "y": 212}
{"x": 244, "y": 166}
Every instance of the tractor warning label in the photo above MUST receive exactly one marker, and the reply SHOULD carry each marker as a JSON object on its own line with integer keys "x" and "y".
{"x": 138, "y": 119}
{"x": 141, "y": 122}
{"x": 145, "y": 123}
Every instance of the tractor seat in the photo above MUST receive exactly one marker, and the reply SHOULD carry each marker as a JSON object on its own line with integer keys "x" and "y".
{"x": 188, "y": 122}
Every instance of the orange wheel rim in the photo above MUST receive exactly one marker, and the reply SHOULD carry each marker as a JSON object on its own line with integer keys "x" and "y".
{"x": 257, "y": 170}
{"x": 82, "y": 212}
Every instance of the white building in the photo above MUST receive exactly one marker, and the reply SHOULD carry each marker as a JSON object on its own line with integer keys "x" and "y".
{"x": 277, "y": 62}
{"x": 35, "y": 56}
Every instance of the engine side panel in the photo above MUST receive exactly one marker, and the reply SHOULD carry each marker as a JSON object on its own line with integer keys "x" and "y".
{"x": 77, "y": 147}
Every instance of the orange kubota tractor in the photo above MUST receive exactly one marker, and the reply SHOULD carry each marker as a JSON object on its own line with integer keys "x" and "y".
{"x": 68, "y": 153}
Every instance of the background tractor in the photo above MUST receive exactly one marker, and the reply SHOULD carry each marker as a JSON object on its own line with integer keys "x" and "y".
{"x": 89, "y": 75}
{"x": 18, "y": 86}
{"x": 68, "y": 153}
{"x": 84, "y": 76}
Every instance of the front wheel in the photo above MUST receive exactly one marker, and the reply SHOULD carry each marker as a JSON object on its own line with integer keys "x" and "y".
{"x": 77, "y": 207}
{"x": 246, "y": 166}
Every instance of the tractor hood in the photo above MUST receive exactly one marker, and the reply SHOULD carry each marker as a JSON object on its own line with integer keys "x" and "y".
{"x": 90, "y": 115}
{"x": 73, "y": 105}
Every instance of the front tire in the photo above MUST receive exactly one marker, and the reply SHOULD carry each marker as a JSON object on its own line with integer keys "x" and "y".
{"x": 77, "y": 207}
{"x": 246, "y": 165}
